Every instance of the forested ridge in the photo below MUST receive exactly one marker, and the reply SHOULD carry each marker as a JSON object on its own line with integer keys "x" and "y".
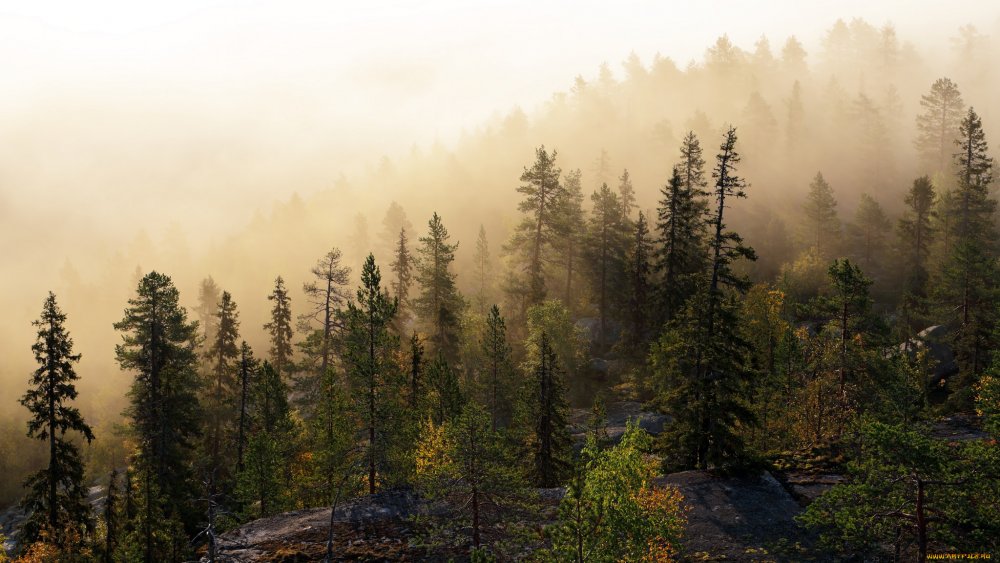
{"x": 794, "y": 264}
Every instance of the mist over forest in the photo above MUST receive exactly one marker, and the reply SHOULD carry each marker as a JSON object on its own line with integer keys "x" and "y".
{"x": 831, "y": 140}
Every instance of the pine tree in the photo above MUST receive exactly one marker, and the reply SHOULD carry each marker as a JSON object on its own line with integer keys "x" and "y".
{"x": 871, "y": 226}
{"x": 626, "y": 195}
{"x": 937, "y": 125}
{"x": 822, "y": 225}
{"x": 56, "y": 499}
{"x": 607, "y": 239}
{"x": 439, "y": 303}
{"x": 324, "y": 297}
{"x": 542, "y": 198}
{"x": 111, "y": 518}
{"x": 416, "y": 373}
{"x": 209, "y": 295}
{"x": 465, "y": 464}
{"x": 483, "y": 269}
{"x": 971, "y": 277}
{"x": 402, "y": 268}
{"x": 374, "y": 377}
{"x": 248, "y": 369}
{"x": 639, "y": 290}
{"x": 265, "y": 478}
{"x": 159, "y": 347}
{"x": 499, "y": 369}
{"x": 794, "y": 125}
{"x": 445, "y": 392}
{"x": 701, "y": 358}
{"x": 570, "y": 228}
{"x": 551, "y": 439}
{"x": 222, "y": 389}
{"x": 680, "y": 225}
{"x": 915, "y": 235}
{"x": 850, "y": 302}
{"x": 279, "y": 328}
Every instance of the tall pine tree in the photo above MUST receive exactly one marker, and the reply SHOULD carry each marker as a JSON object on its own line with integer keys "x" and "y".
{"x": 439, "y": 303}
{"x": 279, "y": 328}
{"x": 56, "y": 500}
{"x": 158, "y": 346}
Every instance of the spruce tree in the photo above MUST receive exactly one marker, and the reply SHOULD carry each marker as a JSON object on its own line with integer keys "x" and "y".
{"x": 222, "y": 389}
{"x": 915, "y": 234}
{"x": 439, "y": 303}
{"x": 279, "y": 328}
{"x": 970, "y": 276}
{"x": 938, "y": 123}
{"x": 570, "y": 229}
{"x": 402, "y": 269}
{"x": 871, "y": 227}
{"x": 639, "y": 287}
{"x": 822, "y": 226}
{"x": 209, "y": 295}
{"x": 534, "y": 235}
{"x": 56, "y": 499}
{"x": 248, "y": 369}
{"x": 111, "y": 518}
{"x": 681, "y": 231}
{"x": 607, "y": 239}
{"x": 499, "y": 369}
{"x": 374, "y": 377}
{"x": 263, "y": 482}
{"x": 444, "y": 391}
{"x": 626, "y": 195}
{"x": 158, "y": 346}
{"x": 701, "y": 359}
{"x": 483, "y": 267}
{"x": 551, "y": 443}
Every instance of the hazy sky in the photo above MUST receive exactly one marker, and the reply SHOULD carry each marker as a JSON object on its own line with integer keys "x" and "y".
{"x": 332, "y": 62}
{"x": 185, "y": 101}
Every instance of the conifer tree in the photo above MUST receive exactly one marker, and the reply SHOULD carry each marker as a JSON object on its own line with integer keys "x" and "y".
{"x": 222, "y": 389}
{"x": 56, "y": 499}
{"x": 248, "y": 369}
{"x": 701, "y": 358}
{"x": 915, "y": 235}
{"x": 570, "y": 228}
{"x": 111, "y": 519}
{"x": 551, "y": 442}
{"x": 937, "y": 125}
{"x": 499, "y": 368}
{"x": 402, "y": 268}
{"x": 871, "y": 226}
{"x": 374, "y": 377}
{"x": 970, "y": 276}
{"x": 158, "y": 346}
{"x": 680, "y": 225}
{"x": 639, "y": 270}
{"x": 279, "y": 328}
{"x": 209, "y": 295}
{"x": 626, "y": 195}
{"x": 822, "y": 225}
{"x": 416, "y": 373}
{"x": 445, "y": 392}
{"x": 465, "y": 464}
{"x": 483, "y": 268}
{"x": 607, "y": 239}
{"x": 439, "y": 303}
{"x": 262, "y": 486}
{"x": 324, "y": 298}
{"x": 542, "y": 198}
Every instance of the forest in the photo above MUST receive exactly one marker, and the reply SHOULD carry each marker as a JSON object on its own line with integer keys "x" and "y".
{"x": 790, "y": 259}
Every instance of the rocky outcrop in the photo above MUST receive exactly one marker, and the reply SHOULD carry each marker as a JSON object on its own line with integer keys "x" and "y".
{"x": 940, "y": 359}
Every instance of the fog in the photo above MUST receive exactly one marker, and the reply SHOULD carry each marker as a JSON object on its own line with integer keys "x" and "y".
{"x": 242, "y": 141}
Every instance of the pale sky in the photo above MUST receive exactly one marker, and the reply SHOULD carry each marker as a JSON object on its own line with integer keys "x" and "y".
{"x": 387, "y": 66}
